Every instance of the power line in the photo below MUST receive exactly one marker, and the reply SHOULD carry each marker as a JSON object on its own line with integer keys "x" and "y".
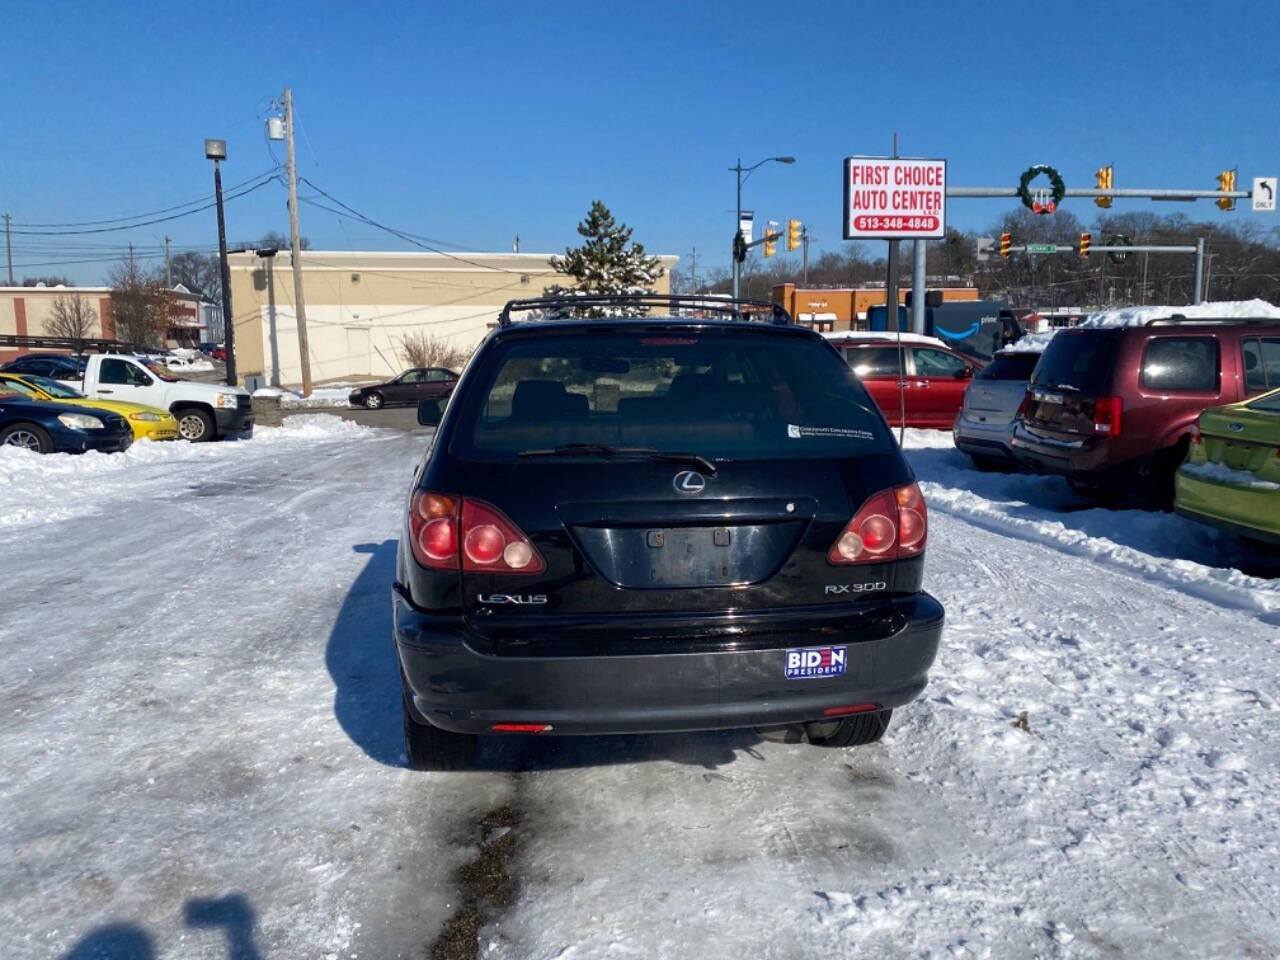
{"x": 149, "y": 213}
{"x": 145, "y": 223}
{"x": 403, "y": 235}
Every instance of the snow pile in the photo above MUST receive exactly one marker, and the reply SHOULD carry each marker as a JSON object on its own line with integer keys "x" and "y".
{"x": 1031, "y": 343}
{"x": 268, "y": 392}
{"x": 332, "y": 395}
{"x": 1222, "y": 309}
{"x": 1221, "y": 473}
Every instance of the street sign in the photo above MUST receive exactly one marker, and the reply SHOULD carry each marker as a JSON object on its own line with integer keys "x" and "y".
{"x": 985, "y": 246}
{"x": 1042, "y": 248}
{"x": 748, "y": 218}
{"x": 894, "y": 198}
{"x": 1264, "y": 193}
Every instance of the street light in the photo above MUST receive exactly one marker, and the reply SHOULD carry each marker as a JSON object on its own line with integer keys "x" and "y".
{"x": 740, "y": 170}
{"x": 216, "y": 150}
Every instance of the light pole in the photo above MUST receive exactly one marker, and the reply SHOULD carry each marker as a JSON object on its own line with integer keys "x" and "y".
{"x": 740, "y": 170}
{"x": 216, "y": 150}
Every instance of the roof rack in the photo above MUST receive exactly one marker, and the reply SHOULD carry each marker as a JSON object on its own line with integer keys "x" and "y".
{"x": 1176, "y": 318}
{"x": 564, "y": 305}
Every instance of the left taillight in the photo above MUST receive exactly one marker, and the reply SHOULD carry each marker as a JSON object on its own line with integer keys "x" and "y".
{"x": 451, "y": 533}
{"x": 892, "y": 525}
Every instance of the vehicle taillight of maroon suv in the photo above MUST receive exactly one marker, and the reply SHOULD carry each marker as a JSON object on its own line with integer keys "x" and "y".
{"x": 1111, "y": 408}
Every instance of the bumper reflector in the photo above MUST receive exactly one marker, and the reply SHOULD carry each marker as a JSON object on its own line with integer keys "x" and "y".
{"x": 520, "y": 727}
{"x": 844, "y": 711}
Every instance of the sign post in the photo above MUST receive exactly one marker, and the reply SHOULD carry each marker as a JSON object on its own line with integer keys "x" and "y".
{"x": 895, "y": 198}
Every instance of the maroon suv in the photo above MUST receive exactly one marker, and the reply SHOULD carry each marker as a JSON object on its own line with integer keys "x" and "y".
{"x": 1110, "y": 408}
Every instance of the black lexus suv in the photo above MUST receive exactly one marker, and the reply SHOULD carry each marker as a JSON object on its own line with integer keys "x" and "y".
{"x": 650, "y": 523}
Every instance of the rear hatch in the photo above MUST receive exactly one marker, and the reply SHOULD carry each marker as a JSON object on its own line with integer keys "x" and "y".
{"x": 1073, "y": 374}
{"x": 670, "y": 477}
{"x": 998, "y": 390}
{"x": 1244, "y": 436}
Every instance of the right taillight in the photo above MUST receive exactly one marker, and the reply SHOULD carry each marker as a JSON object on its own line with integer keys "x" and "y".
{"x": 1024, "y": 407}
{"x": 891, "y": 525}
{"x": 448, "y": 533}
{"x": 1107, "y": 415}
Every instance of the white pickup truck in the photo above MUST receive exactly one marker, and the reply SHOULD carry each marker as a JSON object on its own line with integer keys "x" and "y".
{"x": 204, "y": 411}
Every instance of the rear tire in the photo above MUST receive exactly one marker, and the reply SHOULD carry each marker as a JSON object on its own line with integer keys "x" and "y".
{"x": 855, "y": 731}
{"x": 195, "y": 425}
{"x": 373, "y": 401}
{"x": 27, "y": 436}
{"x": 430, "y": 748}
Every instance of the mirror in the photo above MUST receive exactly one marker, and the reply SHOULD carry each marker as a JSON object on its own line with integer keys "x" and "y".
{"x": 431, "y": 411}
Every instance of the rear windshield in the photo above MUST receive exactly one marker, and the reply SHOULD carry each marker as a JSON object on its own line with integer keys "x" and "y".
{"x": 1270, "y": 403}
{"x": 719, "y": 394}
{"x": 1078, "y": 361}
{"x": 1010, "y": 366}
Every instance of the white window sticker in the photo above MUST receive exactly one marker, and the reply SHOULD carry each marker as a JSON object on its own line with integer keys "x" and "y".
{"x": 796, "y": 432}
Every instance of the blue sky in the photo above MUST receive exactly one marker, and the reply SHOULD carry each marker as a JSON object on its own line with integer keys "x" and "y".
{"x": 471, "y": 122}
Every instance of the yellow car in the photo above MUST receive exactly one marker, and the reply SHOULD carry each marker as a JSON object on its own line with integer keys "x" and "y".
{"x": 147, "y": 423}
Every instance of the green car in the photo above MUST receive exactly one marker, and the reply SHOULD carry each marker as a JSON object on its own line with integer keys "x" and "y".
{"x": 1231, "y": 477}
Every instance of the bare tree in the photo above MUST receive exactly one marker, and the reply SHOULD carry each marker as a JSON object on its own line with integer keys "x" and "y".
{"x": 141, "y": 307}
{"x": 280, "y": 241}
{"x": 72, "y": 317}
{"x": 423, "y": 350}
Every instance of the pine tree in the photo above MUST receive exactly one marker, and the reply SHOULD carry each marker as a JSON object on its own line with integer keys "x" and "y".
{"x": 608, "y": 262}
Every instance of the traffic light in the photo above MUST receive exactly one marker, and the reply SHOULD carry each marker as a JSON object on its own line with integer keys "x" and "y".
{"x": 1005, "y": 241}
{"x": 1106, "y": 177}
{"x": 1085, "y": 240}
{"x": 739, "y": 247}
{"x": 770, "y": 244}
{"x": 794, "y": 228}
{"x": 1226, "y": 181}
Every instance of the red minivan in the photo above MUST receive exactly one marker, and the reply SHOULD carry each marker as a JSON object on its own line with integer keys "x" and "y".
{"x": 924, "y": 376}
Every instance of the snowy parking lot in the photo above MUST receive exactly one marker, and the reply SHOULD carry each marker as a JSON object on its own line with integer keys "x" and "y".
{"x": 202, "y": 753}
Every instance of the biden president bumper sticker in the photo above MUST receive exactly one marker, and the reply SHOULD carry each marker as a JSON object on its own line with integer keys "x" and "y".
{"x": 815, "y": 662}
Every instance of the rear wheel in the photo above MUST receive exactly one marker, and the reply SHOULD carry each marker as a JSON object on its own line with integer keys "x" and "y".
{"x": 373, "y": 400}
{"x": 430, "y": 748}
{"x": 195, "y": 425}
{"x": 855, "y": 731}
{"x": 26, "y": 436}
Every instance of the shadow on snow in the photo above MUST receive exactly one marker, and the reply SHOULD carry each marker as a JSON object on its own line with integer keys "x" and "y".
{"x": 232, "y": 915}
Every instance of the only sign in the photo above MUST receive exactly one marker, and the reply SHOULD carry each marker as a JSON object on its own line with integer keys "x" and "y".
{"x": 894, "y": 198}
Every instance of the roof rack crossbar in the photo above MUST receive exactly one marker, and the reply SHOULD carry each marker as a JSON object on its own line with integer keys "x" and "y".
{"x": 738, "y": 309}
{"x": 1178, "y": 318}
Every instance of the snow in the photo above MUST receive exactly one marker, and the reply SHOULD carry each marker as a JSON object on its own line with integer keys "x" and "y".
{"x": 330, "y": 395}
{"x": 201, "y": 746}
{"x": 839, "y": 337}
{"x": 1221, "y": 473}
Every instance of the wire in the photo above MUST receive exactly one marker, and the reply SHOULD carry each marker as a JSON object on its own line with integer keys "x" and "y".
{"x": 150, "y": 213}
{"x": 147, "y": 223}
{"x": 409, "y": 237}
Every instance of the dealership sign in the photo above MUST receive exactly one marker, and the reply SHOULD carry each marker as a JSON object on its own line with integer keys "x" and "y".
{"x": 894, "y": 198}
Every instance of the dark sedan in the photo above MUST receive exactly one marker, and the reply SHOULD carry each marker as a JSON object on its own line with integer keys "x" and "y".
{"x": 43, "y": 427}
{"x": 409, "y": 387}
{"x": 59, "y": 366}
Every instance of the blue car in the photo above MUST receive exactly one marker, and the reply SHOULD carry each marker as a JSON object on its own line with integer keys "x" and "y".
{"x": 60, "y": 428}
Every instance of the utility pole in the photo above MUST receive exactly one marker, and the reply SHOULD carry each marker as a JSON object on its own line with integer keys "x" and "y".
{"x": 8, "y": 250}
{"x": 804, "y": 239}
{"x": 1198, "y": 288}
{"x": 918, "y": 284}
{"x": 216, "y": 150}
{"x": 693, "y": 269}
{"x": 168, "y": 265}
{"x": 300, "y": 309}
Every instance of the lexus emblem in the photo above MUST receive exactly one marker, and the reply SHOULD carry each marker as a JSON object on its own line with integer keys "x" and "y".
{"x": 689, "y": 482}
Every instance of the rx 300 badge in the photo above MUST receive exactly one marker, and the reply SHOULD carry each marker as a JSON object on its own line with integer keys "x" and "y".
{"x": 815, "y": 662}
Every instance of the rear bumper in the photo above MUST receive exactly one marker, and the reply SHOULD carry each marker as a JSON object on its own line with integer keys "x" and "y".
{"x": 457, "y": 688}
{"x": 1070, "y": 456}
{"x": 1244, "y": 512}
{"x": 983, "y": 439}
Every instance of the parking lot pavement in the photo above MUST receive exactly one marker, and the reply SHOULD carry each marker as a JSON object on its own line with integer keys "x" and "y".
{"x": 397, "y": 418}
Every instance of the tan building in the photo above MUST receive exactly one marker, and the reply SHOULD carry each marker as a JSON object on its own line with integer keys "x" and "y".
{"x": 361, "y": 305}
